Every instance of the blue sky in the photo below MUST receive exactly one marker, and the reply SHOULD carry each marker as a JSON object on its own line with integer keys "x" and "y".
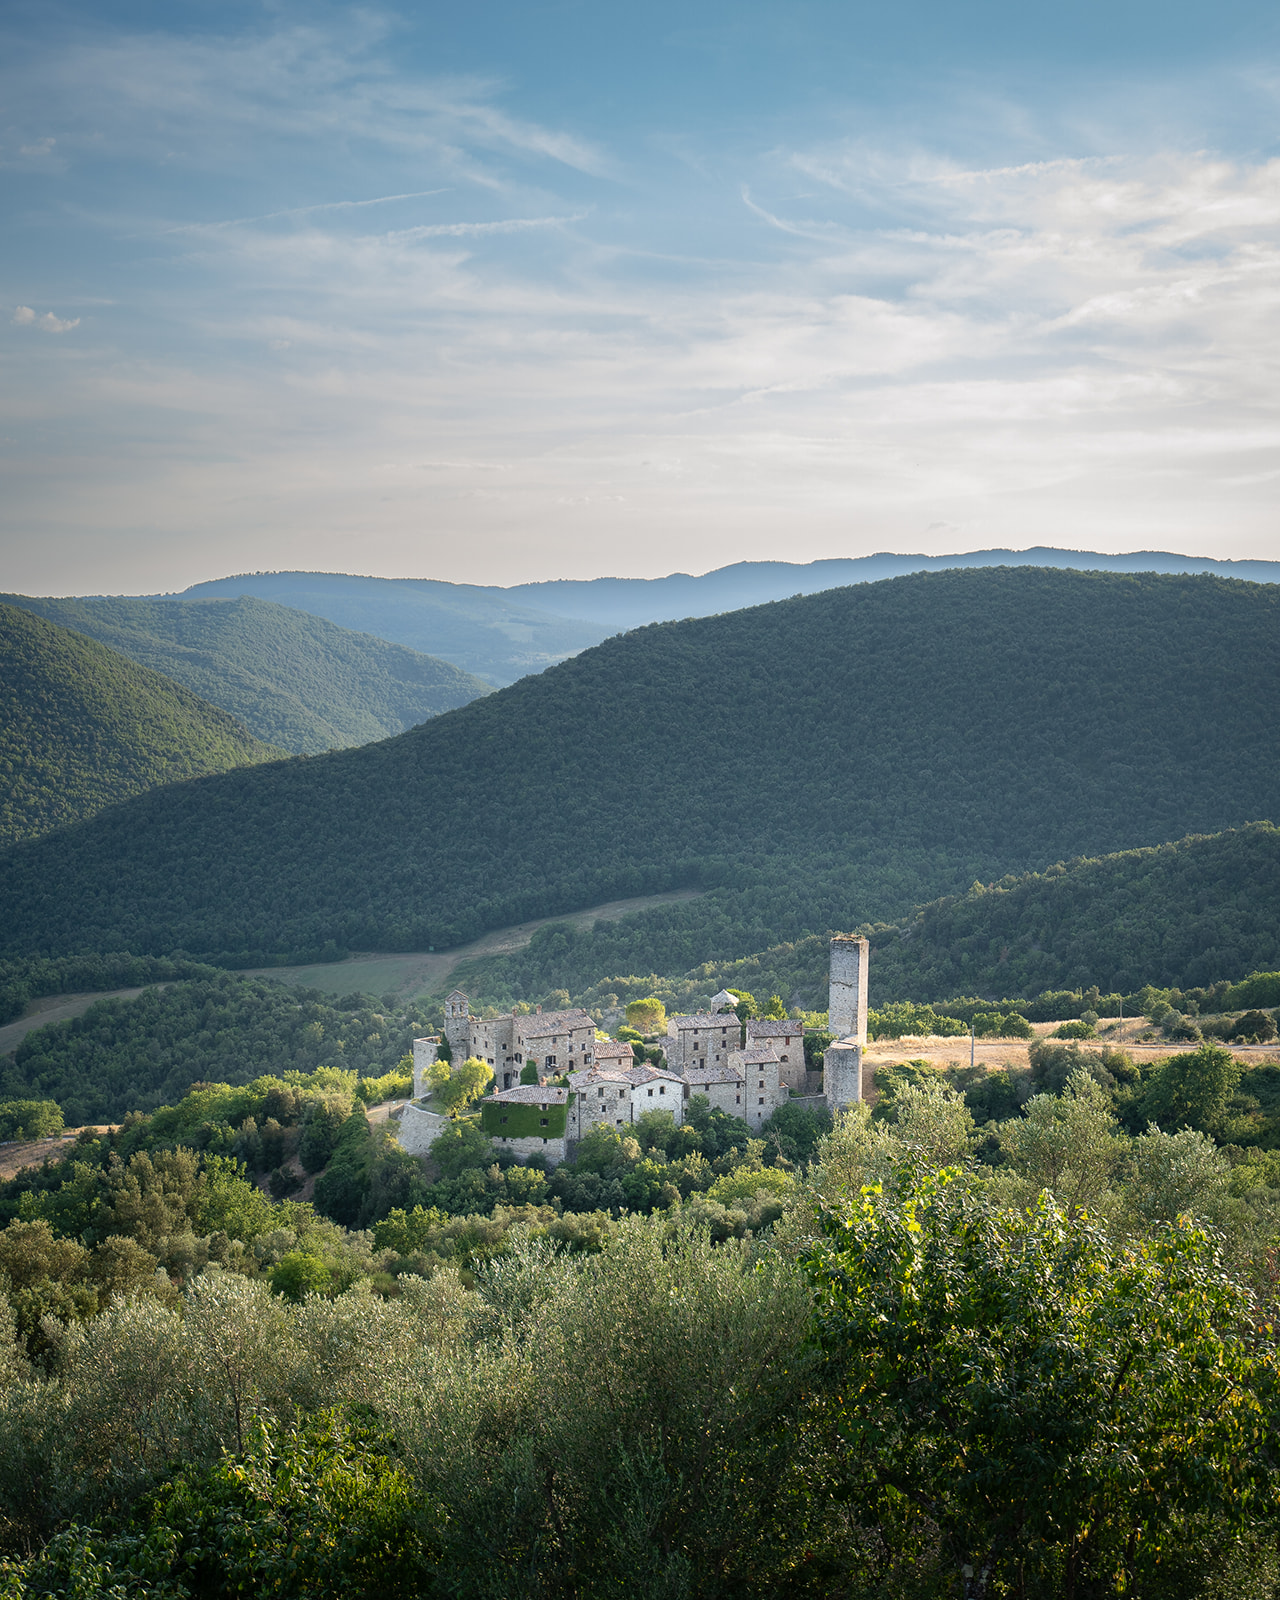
{"x": 498, "y": 292}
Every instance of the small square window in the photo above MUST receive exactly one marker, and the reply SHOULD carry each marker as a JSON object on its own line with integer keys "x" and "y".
{"x": 544, "y": 1120}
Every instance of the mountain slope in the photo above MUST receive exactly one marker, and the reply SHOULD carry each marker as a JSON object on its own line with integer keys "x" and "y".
{"x": 294, "y": 679}
{"x": 82, "y": 727}
{"x": 818, "y": 763}
{"x": 1188, "y": 914}
{"x": 478, "y": 629}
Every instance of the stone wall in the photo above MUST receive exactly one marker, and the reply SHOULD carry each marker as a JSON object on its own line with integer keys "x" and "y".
{"x": 419, "y": 1129}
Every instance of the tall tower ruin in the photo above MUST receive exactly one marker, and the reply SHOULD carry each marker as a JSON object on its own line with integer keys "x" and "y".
{"x": 847, "y": 1020}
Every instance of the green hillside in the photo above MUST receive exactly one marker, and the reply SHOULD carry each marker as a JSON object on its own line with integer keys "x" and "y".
{"x": 820, "y": 762}
{"x": 1184, "y": 915}
{"x": 480, "y": 629}
{"x": 293, "y": 679}
{"x": 82, "y": 727}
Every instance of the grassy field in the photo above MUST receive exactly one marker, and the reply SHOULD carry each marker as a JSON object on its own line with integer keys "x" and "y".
{"x": 413, "y": 974}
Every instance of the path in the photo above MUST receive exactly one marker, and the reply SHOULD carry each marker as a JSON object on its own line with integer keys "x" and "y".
{"x": 55, "y": 1008}
{"x": 409, "y": 974}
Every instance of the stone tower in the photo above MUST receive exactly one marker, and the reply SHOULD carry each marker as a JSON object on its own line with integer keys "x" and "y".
{"x": 847, "y": 1020}
{"x": 457, "y": 1024}
{"x": 847, "y": 994}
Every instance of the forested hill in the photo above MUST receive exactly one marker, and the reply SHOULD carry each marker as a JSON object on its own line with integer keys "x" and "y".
{"x": 479, "y": 629}
{"x": 819, "y": 762}
{"x": 82, "y": 727}
{"x": 293, "y": 679}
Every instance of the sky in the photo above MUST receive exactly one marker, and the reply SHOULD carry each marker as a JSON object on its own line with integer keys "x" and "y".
{"x": 501, "y": 291}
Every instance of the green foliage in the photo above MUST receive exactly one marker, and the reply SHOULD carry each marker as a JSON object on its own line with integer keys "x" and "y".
{"x": 507, "y": 1120}
{"x": 30, "y": 1119}
{"x": 904, "y": 1017}
{"x": 1259, "y": 989}
{"x": 319, "y": 1507}
{"x": 130, "y": 1055}
{"x": 394, "y": 1085}
{"x": 1054, "y": 1404}
{"x": 393, "y": 864}
{"x": 1191, "y": 1091}
{"x": 298, "y": 1274}
{"x": 82, "y": 728}
{"x": 646, "y": 1016}
{"x": 528, "y": 1074}
{"x": 293, "y": 679}
{"x": 1074, "y": 1030}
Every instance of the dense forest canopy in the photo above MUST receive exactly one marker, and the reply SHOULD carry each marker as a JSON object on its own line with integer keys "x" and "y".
{"x": 1191, "y": 913}
{"x": 83, "y": 727}
{"x": 293, "y": 679}
{"x": 820, "y": 762}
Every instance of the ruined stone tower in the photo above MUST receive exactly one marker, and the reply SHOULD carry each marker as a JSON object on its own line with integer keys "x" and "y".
{"x": 847, "y": 1020}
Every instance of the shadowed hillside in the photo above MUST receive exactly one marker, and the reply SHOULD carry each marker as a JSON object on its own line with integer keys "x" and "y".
{"x": 820, "y": 762}
{"x": 1188, "y": 915}
{"x": 293, "y": 679}
{"x": 82, "y": 727}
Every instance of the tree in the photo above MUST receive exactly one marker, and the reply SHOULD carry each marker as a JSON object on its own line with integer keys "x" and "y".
{"x": 775, "y": 1011}
{"x": 1191, "y": 1090}
{"x": 1067, "y": 1144}
{"x": 1054, "y": 1404}
{"x": 647, "y": 1016}
{"x": 439, "y": 1073}
{"x": 468, "y": 1083}
{"x": 529, "y": 1072}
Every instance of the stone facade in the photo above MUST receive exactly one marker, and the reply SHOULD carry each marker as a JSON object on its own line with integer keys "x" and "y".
{"x": 842, "y": 1064}
{"x": 418, "y": 1129}
{"x": 554, "y": 1041}
{"x": 762, "y": 1090}
{"x": 547, "y": 1103}
{"x": 425, "y": 1052}
{"x": 786, "y": 1035}
{"x": 702, "y": 1040}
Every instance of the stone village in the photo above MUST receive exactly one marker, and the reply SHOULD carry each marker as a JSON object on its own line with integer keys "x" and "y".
{"x": 601, "y": 1083}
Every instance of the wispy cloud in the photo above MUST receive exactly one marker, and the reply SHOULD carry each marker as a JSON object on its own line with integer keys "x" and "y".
{"x": 25, "y": 317}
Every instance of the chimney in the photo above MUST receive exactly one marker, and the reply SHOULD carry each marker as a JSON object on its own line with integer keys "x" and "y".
{"x": 538, "y": 1010}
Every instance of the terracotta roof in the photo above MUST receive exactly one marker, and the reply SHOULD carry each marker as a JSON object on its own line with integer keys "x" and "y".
{"x": 714, "y": 1075}
{"x": 648, "y": 1074}
{"x": 532, "y": 1094}
{"x": 760, "y": 1054}
{"x": 535, "y": 1025}
{"x": 583, "y": 1080}
{"x": 611, "y": 1049}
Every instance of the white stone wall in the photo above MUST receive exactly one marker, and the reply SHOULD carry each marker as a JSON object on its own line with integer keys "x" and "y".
{"x": 701, "y": 1041}
{"x": 553, "y": 1149}
{"x": 762, "y": 1091}
{"x": 419, "y": 1129}
{"x": 604, "y": 1100}
{"x": 847, "y": 994}
{"x": 842, "y": 1074}
{"x": 425, "y": 1052}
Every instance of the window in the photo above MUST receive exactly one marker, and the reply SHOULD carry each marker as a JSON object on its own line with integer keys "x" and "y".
{"x": 502, "y": 1119}
{"x": 544, "y": 1121}
{"x": 737, "y": 1099}
{"x": 760, "y": 1101}
{"x": 651, "y": 1094}
{"x": 762, "y": 1083}
{"x": 600, "y": 1093}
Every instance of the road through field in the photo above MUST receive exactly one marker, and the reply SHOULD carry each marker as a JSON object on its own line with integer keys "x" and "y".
{"x": 422, "y": 972}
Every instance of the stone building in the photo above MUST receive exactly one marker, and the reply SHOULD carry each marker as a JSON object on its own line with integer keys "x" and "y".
{"x": 616, "y": 1097}
{"x": 842, "y": 1065}
{"x": 531, "y": 1119}
{"x": 552, "y": 1041}
{"x": 786, "y": 1035}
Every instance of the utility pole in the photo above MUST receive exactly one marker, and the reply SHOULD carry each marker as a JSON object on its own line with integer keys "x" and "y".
{"x": 971, "y": 1036}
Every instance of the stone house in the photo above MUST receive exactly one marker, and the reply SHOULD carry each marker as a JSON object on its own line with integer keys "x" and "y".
{"x": 554, "y": 1042}
{"x": 617, "y": 1097}
{"x": 530, "y": 1119}
{"x": 786, "y": 1035}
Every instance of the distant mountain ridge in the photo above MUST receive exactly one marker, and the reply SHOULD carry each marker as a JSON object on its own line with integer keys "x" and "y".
{"x": 815, "y": 763}
{"x": 503, "y": 633}
{"x": 294, "y": 679}
{"x": 632, "y": 602}
{"x": 83, "y": 727}
{"x": 475, "y": 628}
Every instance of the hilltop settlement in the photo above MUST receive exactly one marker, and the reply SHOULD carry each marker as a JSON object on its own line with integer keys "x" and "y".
{"x": 555, "y": 1080}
